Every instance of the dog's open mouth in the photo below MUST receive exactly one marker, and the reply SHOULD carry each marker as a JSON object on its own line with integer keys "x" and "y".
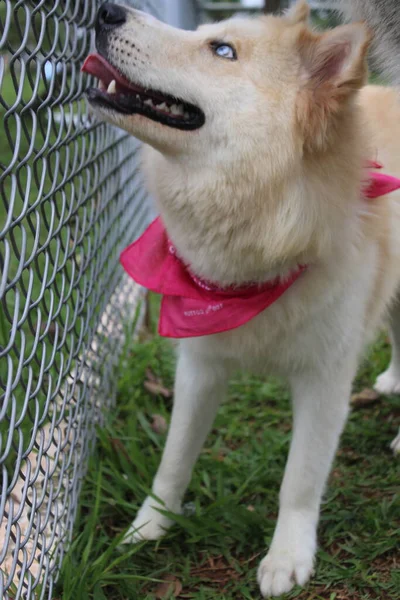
{"x": 115, "y": 92}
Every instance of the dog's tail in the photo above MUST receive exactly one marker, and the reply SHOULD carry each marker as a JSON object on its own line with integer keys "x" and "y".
{"x": 383, "y": 17}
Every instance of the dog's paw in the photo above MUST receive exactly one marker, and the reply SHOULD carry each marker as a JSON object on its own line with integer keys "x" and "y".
{"x": 290, "y": 560}
{"x": 149, "y": 524}
{"x": 279, "y": 572}
{"x": 388, "y": 383}
{"x": 395, "y": 445}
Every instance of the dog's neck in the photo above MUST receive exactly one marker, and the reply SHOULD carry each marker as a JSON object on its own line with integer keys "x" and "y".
{"x": 232, "y": 227}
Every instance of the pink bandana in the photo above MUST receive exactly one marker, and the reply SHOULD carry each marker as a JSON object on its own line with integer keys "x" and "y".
{"x": 380, "y": 184}
{"x": 192, "y": 307}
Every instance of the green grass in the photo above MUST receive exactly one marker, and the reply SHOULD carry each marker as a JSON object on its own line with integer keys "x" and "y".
{"x": 232, "y": 501}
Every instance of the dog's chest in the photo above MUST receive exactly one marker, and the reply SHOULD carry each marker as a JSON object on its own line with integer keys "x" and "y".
{"x": 291, "y": 335}
{"x": 267, "y": 345}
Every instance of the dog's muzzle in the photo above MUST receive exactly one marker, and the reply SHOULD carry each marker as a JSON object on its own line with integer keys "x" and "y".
{"x": 117, "y": 93}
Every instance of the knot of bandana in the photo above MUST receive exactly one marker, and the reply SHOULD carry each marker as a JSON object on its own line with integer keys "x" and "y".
{"x": 193, "y": 307}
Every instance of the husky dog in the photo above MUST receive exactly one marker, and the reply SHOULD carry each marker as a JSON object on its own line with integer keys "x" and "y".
{"x": 258, "y": 134}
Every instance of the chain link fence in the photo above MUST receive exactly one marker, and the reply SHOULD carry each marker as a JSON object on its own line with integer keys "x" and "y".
{"x": 70, "y": 199}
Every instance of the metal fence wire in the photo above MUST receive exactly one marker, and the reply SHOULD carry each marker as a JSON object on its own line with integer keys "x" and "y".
{"x": 70, "y": 199}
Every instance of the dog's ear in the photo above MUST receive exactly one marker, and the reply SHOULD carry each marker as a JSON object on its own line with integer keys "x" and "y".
{"x": 333, "y": 68}
{"x": 337, "y": 58}
{"x": 299, "y": 13}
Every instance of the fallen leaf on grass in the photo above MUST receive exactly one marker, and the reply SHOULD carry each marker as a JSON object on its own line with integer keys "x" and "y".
{"x": 171, "y": 587}
{"x": 158, "y": 424}
{"x": 349, "y": 455}
{"x": 157, "y": 389}
{"x": 217, "y": 570}
{"x": 120, "y": 448}
{"x": 365, "y": 398}
{"x": 150, "y": 375}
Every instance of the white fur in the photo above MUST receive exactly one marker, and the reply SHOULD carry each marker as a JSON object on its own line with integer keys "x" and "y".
{"x": 272, "y": 180}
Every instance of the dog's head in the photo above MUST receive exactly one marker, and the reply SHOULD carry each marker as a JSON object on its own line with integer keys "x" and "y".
{"x": 224, "y": 83}
{"x": 254, "y": 119}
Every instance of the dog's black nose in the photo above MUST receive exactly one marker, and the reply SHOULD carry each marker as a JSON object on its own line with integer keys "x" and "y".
{"x": 110, "y": 15}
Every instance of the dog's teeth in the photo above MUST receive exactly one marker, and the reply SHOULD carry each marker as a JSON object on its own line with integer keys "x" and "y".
{"x": 112, "y": 88}
{"x": 162, "y": 106}
{"x": 177, "y": 109}
{"x": 102, "y": 86}
{"x": 149, "y": 102}
{"x": 138, "y": 97}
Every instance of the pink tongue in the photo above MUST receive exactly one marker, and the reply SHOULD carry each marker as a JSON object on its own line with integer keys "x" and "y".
{"x": 97, "y": 66}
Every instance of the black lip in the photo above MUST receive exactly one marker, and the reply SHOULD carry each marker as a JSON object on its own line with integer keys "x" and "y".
{"x": 130, "y": 104}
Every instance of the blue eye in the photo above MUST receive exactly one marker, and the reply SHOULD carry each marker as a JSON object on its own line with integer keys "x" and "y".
{"x": 224, "y": 50}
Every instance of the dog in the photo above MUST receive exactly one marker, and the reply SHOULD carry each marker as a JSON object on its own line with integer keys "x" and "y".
{"x": 261, "y": 141}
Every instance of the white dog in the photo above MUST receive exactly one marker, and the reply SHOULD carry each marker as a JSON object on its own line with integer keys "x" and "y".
{"x": 259, "y": 134}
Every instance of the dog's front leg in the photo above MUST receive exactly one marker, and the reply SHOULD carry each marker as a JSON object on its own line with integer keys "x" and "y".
{"x": 320, "y": 408}
{"x": 199, "y": 387}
